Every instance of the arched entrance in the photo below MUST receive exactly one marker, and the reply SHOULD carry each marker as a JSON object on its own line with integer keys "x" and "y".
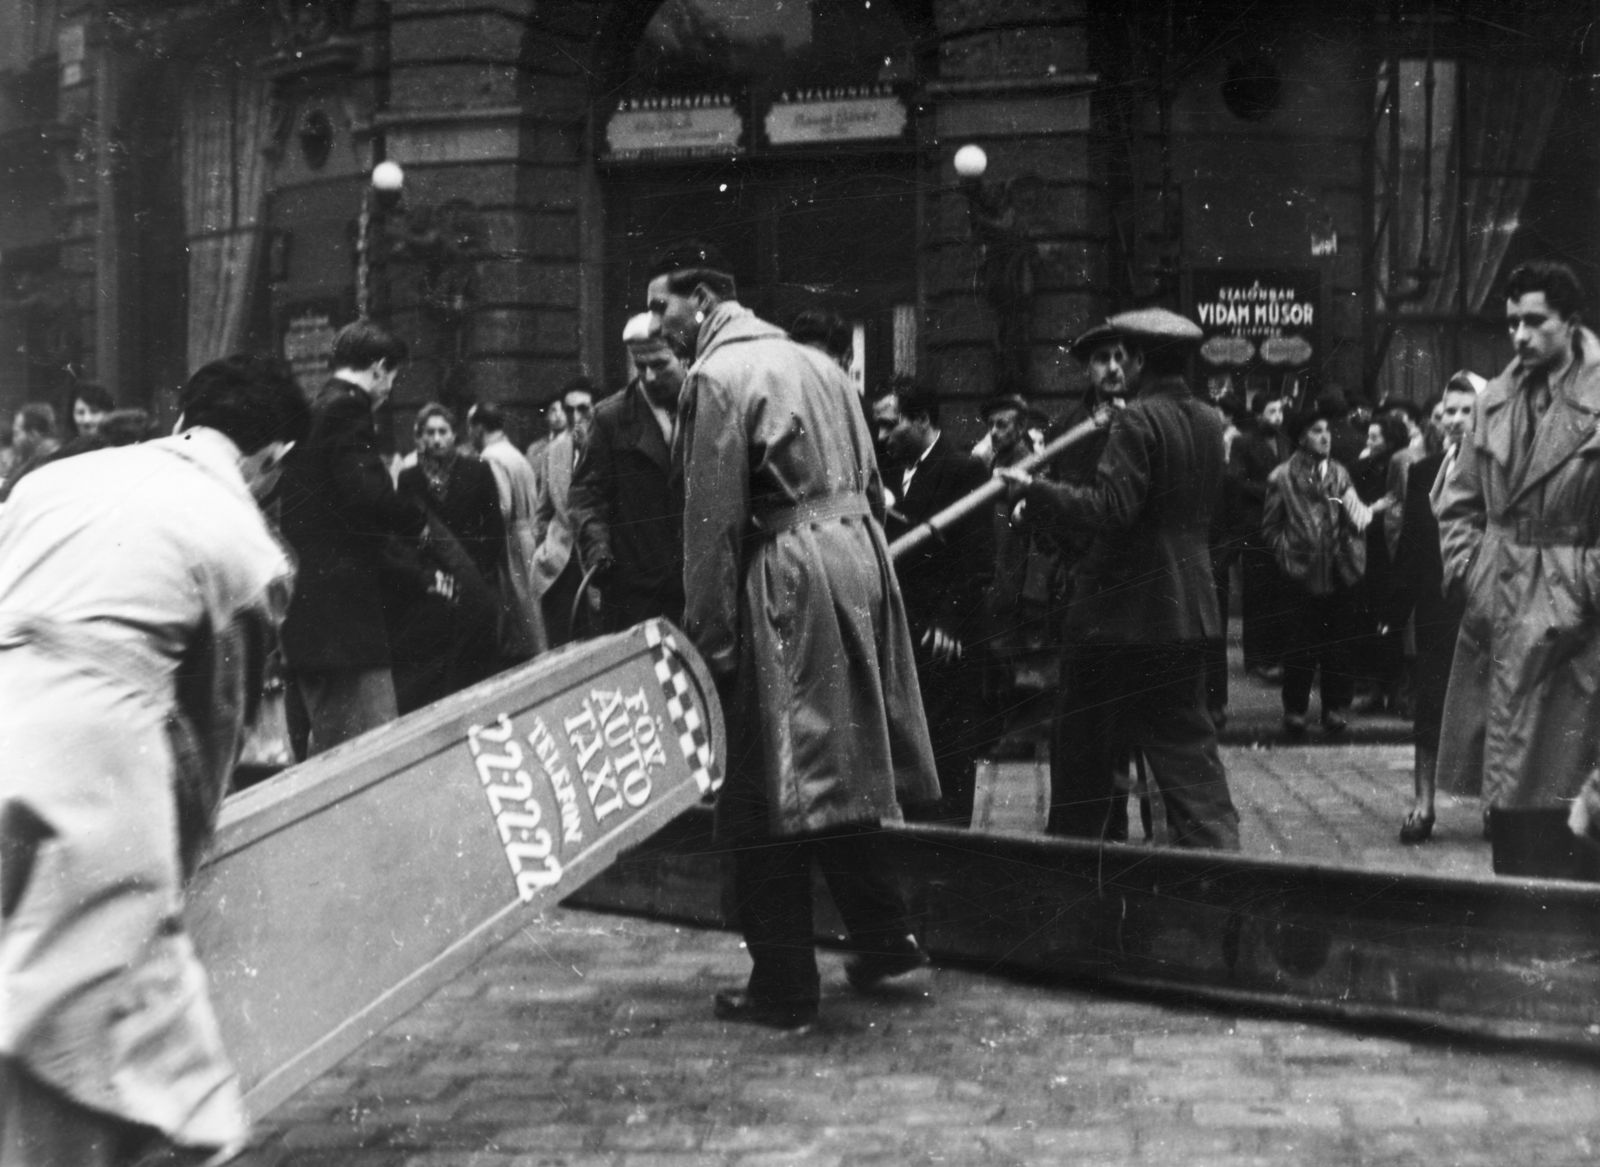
{"x": 789, "y": 139}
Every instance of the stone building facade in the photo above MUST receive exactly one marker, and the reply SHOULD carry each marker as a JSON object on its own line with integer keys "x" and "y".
{"x": 1334, "y": 190}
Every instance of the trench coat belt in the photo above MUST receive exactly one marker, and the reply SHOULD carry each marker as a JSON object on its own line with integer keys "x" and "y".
{"x": 147, "y": 676}
{"x": 1534, "y": 533}
{"x": 810, "y": 510}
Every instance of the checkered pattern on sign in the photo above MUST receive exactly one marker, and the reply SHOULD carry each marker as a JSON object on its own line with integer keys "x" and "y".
{"x": 694, "y": 735}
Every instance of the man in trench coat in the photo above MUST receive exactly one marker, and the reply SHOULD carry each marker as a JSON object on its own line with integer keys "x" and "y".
{"x": 522, "y": 621}
{"x": 140, "y": 591}
{"x": 1519, "y": 526}
{"x": 792, "y": 600}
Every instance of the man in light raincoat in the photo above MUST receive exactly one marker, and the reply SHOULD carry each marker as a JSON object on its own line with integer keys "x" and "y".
{"x": 1519, "y": 527}
{"x": 792, "y": 600}
{"x": 140, "y": 590}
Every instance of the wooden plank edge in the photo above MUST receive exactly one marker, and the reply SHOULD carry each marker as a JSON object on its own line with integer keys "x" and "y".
{"x": 1446, "y": 933}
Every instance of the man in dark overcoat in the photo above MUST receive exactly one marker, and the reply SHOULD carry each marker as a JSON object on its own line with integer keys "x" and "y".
{"x": 626, "y": 503}
{"x": 1144, "y": 602}
{"x": 338, "y": 509}
{"x": 792, "y": 601}
{"x": 944, "y": 583}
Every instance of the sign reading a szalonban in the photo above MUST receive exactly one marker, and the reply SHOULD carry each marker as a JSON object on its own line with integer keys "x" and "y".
{"x": 1257, "y": 314}
{"x": 344, "y": 891}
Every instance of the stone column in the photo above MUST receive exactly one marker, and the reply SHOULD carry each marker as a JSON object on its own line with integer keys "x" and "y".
{"x": 488, "y": 105}
{"x": 86, "y": 211}
{"x": 1014, "y": 79}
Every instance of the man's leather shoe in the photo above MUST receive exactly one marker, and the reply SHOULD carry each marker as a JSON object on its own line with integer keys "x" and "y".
{"x": 738, "y": 1005}
{"x": 866, "y": 970}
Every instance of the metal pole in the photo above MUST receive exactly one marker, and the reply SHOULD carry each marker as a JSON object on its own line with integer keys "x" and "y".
{"x": 363, "y": 262}
{"x": 937, "y": 525}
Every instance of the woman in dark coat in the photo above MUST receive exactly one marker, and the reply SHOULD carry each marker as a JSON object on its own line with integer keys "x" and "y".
{"x": 1380, "y": 651}
{"x": 445, "y": 642}
{"x": 1419, "y": 577}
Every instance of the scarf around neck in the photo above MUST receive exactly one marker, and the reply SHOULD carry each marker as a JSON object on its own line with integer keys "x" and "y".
{"x": 436, "y": 470}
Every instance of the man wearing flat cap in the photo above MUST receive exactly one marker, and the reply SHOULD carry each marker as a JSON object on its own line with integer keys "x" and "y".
{"x": 1143, "y": 601}
{"x": 1104, "y": 356}
{"x": 626, "y": 503}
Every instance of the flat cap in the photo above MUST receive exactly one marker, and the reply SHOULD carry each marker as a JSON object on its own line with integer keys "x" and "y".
{"x": 1102, "y": 333}
{"x": 1159, "y": 325}
{"x": 1005, "y": 401}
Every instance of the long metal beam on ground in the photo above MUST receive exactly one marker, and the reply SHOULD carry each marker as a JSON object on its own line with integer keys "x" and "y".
{"x": 1508, "y": 958}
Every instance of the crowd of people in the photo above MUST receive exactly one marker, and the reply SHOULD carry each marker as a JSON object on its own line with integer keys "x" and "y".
{"x": 152, "y": 588}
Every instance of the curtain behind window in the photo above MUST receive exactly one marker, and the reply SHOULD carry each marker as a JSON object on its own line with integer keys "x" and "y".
{"x": 224, "y": 186}
{"x": 1495, "y": 146}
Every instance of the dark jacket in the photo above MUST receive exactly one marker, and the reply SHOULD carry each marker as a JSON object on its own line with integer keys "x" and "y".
{"x": 469, "y": 509}
{"x": 945, "y": 581}
{"x": 1418, "y": 563}
{"x": 338, "y": 510}
{"x": 627, "y": 508}
{"x": 1257, "y": 452}
{"x": 1147, "y": 576}
{"x": 1076, "y": 465}
{"x": 1309, "y": 528}
{"x": 1348, "y": 441}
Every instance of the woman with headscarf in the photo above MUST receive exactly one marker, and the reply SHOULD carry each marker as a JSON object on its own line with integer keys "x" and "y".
{"x": 444, "y": 615}
{"x": 1380, "y": 651}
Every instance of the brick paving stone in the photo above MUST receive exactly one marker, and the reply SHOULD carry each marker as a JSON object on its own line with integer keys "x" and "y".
{"x": 1303, "y": 1044}
{"x": 1198, "y": 1046}
{"x": 1071, "y": 1142}
{"x": 900, "y": 1087}
{"x": 1356, "y": 1087}
{"x": 1220, "y": 1088}
{"x": 559, "y": 1136}
{"x": 1266, "y": 1114}
{"x": 1428, "y": 1112}
{"x": 791, "y": 1157}
{"x": 653, "y": 1136}
{"x": 771, "y": 1136}
{"x": 1527, "y": 1108}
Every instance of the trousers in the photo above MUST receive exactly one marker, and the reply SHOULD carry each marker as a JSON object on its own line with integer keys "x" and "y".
{"x": 772, "y": 892}
{"x": 1118, "y": 698}
{"x": 1322, "y": 636}
{"x": 335, "y": 705}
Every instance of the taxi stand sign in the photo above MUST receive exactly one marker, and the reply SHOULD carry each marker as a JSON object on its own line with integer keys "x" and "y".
{"x": 347, "y": 889}
{"x": 601, "y": 760}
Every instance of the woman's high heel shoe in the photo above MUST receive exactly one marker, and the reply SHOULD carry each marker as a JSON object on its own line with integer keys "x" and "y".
{"x": 1417, "y": 828}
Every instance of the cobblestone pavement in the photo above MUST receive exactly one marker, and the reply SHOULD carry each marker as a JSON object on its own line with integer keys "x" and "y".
{"x": 1344, "y": 805}
{"x": 1317, "y": 804}
{"x": 588, "y": 1040}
